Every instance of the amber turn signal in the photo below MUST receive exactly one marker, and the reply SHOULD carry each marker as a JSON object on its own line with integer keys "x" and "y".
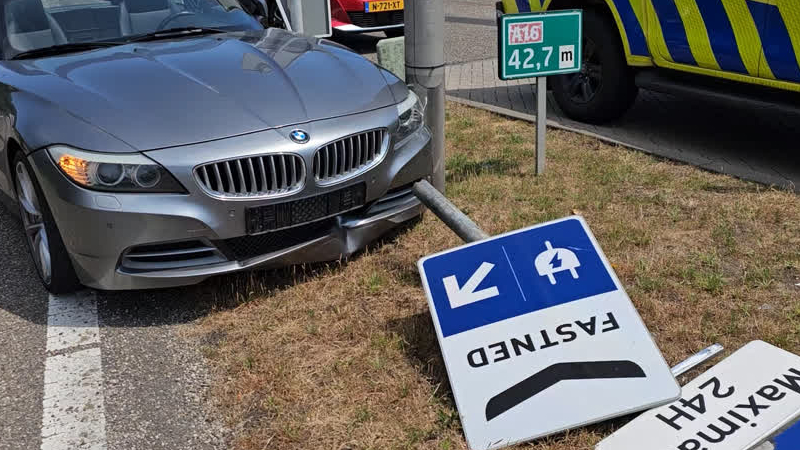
{"x": 75, "y": 168}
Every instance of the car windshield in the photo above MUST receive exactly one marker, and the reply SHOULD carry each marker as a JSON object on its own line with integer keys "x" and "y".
{"x": 30, "y": 25}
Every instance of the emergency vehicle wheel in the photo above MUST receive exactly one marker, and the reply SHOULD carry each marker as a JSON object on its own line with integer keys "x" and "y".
{"x": 604, "y": 89}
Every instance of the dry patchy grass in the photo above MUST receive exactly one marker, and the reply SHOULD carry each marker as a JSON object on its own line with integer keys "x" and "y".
{"x": 345, "y": 356}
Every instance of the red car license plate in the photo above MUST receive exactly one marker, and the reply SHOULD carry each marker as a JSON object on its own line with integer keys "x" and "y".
{"x": 383, "y": 5}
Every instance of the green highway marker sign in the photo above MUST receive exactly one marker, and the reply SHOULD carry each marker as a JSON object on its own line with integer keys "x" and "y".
{"x": 539, "y": 44}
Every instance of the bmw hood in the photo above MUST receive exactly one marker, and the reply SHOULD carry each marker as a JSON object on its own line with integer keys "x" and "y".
{"x": 170, "y": 93}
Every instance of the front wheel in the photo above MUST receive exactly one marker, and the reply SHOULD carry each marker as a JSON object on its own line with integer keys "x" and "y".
{"x": 604, "y": 89}
{"x": 41, "y": 234}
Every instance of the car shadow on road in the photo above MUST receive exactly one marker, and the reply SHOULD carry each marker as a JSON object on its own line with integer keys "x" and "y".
{"x": 21, "y": 293}
{"x": 158, "y": 307}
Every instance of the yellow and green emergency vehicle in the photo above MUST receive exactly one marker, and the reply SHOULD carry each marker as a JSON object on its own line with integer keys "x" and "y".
{"x": 739, "y": 44}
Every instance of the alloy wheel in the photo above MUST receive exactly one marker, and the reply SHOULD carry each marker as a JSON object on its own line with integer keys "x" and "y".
{"x": 584, "y": 85}
{"x": 33, "y": 221}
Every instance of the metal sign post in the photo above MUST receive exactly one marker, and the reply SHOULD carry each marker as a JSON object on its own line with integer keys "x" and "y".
{"x": 536, "y": 46}
{"x": 309, "y": 17}
{"x": 424, "y": 38}
{"x": 541, "y": 123}
{"x": 296, "y": 16}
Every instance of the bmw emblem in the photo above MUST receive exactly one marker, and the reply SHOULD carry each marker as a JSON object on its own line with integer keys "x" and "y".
{"x": 299, "y": 136}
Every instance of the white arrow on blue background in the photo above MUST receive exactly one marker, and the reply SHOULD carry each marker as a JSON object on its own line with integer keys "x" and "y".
{"x": 460, "y": 296}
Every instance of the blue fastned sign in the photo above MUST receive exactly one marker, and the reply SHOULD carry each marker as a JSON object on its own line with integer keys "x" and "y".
{"x": 515, "y": 274}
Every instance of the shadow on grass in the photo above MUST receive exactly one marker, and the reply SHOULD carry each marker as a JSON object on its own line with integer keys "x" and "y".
{"x": 459, "y": 167}
{"x": 601, "y": 429}
{"x": 750, "y": 188}
{"x": 422, "y": 349}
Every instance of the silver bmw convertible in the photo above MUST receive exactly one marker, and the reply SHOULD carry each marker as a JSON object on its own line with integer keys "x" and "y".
{"x": 156, "y": 143}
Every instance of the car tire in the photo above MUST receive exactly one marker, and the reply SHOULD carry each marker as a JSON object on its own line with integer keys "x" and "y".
{"x": 43, "y": 239}
{"x": 394, "y": 32}
{"x": 604, "y": 89}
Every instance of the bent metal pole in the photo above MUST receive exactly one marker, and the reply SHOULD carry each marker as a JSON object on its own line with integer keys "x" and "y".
{"x": 424, "y": 46}
{"x": 448, "y": 213}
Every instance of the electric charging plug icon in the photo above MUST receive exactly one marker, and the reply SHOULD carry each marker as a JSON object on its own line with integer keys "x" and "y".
{"x": 554, "y": 260}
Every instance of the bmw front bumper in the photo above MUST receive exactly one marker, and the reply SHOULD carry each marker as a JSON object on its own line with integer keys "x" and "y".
{"x": 141, "y": 241}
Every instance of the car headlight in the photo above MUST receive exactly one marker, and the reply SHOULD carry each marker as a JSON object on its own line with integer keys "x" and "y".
{"x": 130, "y": 172}
{"x": 412, "y": 115}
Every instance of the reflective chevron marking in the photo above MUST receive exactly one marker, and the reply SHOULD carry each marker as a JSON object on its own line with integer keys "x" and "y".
{"x": 747, "y": 37}
{"x": 655, "y": 34}
{"x": 721, "y": 36}
{"x": 776, "y": 39}
{"x": 674, "y": 31}
{"x": 697, "y": 34}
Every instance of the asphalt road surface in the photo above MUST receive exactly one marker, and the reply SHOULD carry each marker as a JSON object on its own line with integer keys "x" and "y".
{"x": 152, "y": 381}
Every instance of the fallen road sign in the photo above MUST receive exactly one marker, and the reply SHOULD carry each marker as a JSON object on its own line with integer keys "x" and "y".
{"x": 735, "y": 405}
{"x": 538, "y": 335}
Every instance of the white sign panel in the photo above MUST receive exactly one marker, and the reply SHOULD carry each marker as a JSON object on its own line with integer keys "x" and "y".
{"x": 538, "y": 335}
{"x": 735, "y": 405}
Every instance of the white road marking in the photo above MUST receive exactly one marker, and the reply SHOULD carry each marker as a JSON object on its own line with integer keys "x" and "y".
{"x": 73, "y": 414}
{"x": 72, "y": 321}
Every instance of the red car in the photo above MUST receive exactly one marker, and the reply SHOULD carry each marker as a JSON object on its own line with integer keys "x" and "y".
{"x": 361, "y": 16}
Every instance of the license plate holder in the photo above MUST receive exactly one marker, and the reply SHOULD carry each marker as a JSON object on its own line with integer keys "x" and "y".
{"x": 277, "y": 216}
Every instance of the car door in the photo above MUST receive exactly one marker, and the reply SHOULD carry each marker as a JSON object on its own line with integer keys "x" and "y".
{"x": 780, "y": 38}
{"x": 715, "y": 35}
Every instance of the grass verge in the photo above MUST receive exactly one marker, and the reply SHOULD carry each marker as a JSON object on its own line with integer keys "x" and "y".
{"x": 344, "y": 356}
